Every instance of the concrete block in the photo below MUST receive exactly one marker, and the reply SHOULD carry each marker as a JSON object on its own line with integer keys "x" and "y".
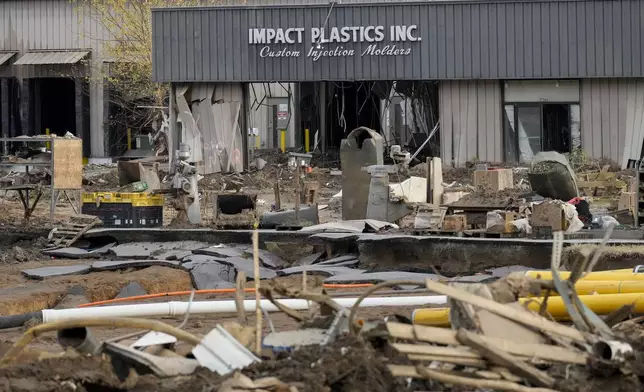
{"x": 321, "y": 270}
{"x": 78, "y": 253}
{"x": 455, "y": 223}
{"x": 548, "y": 214}
{"x": 220, "y": 251}
{"x": 270, "y": 260}
{"x": 310, "y": 259}
{"x": 450, "y": 197}
{"x": 342, "y": 261}
{"x": 495, "y": 180}
{"x": 50, "y": 272}
{"x": 117, "y": 265}
{"x": 246, "y": 265}
{"x": 150, "y": 250}
{"x": 212, "y": 276}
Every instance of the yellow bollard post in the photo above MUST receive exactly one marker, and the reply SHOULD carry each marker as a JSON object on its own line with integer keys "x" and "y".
{"x": 129, "y": 139}
{"x": 283, "y": 140}
{"x": 47, "y": 145}
{"x": 307, "y": 140}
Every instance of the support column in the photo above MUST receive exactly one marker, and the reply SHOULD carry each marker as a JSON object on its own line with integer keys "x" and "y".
{"x": 297, "y": 123}
{"x": 25, "y": 98}
{"x": 243, "y": 124}
{"x": 173, "y": 129}
{"x": 107, "y": 132}
{"x": 322, "y": 111}
{"x": 37, "y": 115}
{"x": 80, "y": 116}
{"x": 4, "y": 114}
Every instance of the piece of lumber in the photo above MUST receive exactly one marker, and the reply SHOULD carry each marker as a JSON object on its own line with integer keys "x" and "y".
{"x": 506, "y": 374}
{"x": 488, "y": 375}
{"x": 545, "y": 352}
{"x": 500, "y": 357}
{"x": 471, "y": 362}
{"x": 601, "y": 184}
{"x": 526, "y": 318}
{"x": 425, "y": 349}
{"x": 446, "y": 378}
{"x": 240, "y": 296}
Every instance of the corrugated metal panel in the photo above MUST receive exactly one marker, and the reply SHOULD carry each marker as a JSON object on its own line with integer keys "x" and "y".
{"x": 53, "y": 57}
{"x": 5, "y": 56}
{"x": 612, "y": 118}
{"x": 469, "y": 40}
{"x": 470, "y": 116}
{"x": 28, "y": 25}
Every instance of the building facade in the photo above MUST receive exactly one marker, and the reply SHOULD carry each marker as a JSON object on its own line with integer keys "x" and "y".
{"x": 50, "y": 63}
{"x": 505, "y": 79}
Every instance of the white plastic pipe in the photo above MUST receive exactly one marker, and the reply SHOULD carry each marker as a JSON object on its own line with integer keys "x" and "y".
{"x": 176, "y": 308}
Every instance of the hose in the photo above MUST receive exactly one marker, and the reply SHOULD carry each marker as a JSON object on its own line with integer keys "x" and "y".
{"x": 153, "y": 325}
{"x": 19, "y": 320}
{"x": 209, "y": 291}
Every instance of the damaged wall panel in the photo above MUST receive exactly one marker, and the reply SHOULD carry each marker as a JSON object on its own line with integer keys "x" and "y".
{"x": 470, "y": 121}
{"x": 612, "y": 118}
{"x": 209, "y": 115}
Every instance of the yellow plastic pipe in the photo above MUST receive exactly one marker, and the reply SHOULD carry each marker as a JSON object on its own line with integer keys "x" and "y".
{"x": 587, "y": 287}
{"x": 618, "y": 275}
{"x": 47, "y": 145}
{"x": 600, "y": 304}
{"x": 283, "y": 140}
{"x": 307, "y": 140}
{"x": 258, "y": 142}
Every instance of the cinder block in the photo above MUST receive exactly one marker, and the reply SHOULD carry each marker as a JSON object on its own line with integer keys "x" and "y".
{"x": 495, "y": 180}
{"x": 452, "y": 197}
{"x": 455, "y": 223}
{"x": 549, "y": 214}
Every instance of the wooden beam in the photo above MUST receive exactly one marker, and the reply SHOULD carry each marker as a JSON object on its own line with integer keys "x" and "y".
{"x": 500, "y": 357}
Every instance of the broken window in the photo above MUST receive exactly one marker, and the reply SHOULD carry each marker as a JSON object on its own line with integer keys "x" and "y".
{"x": 534, "y": 127}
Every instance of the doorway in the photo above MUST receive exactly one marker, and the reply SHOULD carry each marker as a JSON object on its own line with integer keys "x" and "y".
{"x": 531, "y": 128}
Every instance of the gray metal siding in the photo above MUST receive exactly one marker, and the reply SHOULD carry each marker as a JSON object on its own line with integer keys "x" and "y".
{"x": 612, "y": 115}
{"x": 469, "y": 40}
{"x": 470, "y": 116}
{"x": 49, "y": 25}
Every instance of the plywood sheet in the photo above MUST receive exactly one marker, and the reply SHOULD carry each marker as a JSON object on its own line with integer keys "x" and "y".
{"x": 67, "y": 164}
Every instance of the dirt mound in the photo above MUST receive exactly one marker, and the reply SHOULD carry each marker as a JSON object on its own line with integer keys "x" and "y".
{"x": 487, "y": 198}
{"x": 346, "y": 365}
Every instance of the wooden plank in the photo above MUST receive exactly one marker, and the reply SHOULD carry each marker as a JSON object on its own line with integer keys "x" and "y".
{"x": 425, "y": 349}
{"x": 67, "y": 155}
{"x": 524, "y": 317}
{"x": 500, "y": 357}
{"x": 601, "y": 184}
{"x": 447, "y": 378}
{"x": 472, "y": 362}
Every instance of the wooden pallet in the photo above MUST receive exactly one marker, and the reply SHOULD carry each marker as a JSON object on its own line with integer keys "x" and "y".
{"x": 70, "y": 232}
